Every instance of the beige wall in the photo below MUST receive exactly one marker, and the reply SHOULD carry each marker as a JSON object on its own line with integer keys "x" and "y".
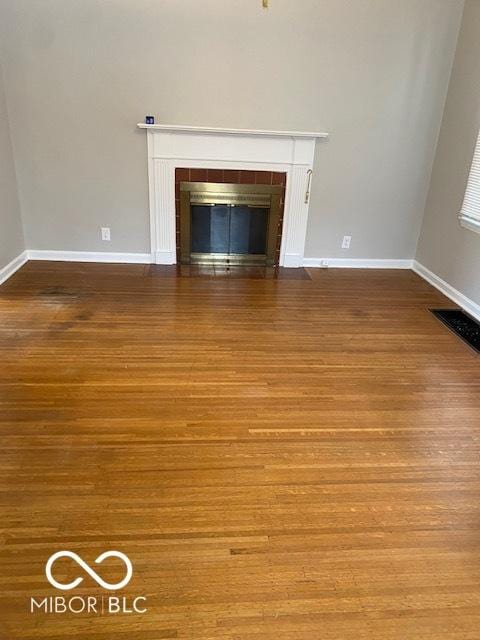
{"x": 11, "y": 231}
{"x": 81, "y": 73}
{"x": 447, "y": 249}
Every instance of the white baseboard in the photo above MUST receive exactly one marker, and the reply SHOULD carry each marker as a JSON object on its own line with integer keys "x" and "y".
{"x": 345, "y": 263}
{"x": 165, "y": 257}
{"x": 90, "y": 256}
{"x": 292, "y": 260}
{"x": 456, "y": 296}
{"x": 9, "y": 269}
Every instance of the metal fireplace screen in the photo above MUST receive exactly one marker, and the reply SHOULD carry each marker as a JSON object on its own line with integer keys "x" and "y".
{"x": 229, "y": 223}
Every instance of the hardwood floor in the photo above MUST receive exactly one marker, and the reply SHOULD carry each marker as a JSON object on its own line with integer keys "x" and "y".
{"x": 280, "y": 458}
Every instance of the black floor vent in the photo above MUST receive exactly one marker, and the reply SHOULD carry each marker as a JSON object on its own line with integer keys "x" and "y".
{"x": 460, "y": 323}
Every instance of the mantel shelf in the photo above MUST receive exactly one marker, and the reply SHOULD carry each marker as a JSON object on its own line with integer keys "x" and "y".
{"x": 240, "y": 132}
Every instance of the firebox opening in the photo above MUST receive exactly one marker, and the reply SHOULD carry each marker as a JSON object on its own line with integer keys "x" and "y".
{"x": 229, "y": 223}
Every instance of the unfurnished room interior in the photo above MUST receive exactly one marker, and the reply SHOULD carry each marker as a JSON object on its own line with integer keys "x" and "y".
{"x": 239, "y": 319}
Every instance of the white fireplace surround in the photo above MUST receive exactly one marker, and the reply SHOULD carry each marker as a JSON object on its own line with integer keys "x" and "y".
{"x": 174, "y": 146}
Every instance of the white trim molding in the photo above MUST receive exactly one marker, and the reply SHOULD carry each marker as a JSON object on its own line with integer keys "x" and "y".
{"x": 357, "y": 263}
{"x": 185, "y": 128}
{"x": 90, "y": 256}
{"x": 470, "y": 223}
{"x": 14, "y": 265}
{"x": 173, "y": 146}
{"x": 454, "y": 294}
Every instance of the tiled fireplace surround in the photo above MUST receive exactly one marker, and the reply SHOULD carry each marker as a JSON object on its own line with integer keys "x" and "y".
{"x": 231, "y": 176}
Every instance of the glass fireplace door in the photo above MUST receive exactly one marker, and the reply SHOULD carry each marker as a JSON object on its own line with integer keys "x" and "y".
{"x": 234, "y": 232}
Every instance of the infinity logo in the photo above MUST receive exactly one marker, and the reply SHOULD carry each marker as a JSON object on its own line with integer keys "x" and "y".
{"x": 89, "y": 570}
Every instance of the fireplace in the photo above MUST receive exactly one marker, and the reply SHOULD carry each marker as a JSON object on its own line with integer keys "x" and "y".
{"x": 183, "y": 153}
{"x": 229, "y": 223}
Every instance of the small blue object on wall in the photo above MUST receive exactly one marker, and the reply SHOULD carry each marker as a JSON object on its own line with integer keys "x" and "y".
{"x": 149, "y": 120}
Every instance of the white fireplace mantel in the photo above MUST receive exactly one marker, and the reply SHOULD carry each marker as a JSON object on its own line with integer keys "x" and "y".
{"x": 240, "y": 132}
{"x": 177, "y": 146}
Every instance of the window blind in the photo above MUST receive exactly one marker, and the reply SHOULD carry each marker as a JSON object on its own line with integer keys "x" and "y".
{"x": 470, "y": 213}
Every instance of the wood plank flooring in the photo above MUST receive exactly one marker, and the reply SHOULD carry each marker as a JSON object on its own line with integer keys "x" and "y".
{"x": 292, "y": 458}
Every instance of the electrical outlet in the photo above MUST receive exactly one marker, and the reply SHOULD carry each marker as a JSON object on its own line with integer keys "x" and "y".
{"x": 324, "y": 264}
{"x": 106, "y": 234}
{"x": 346, "y": 242}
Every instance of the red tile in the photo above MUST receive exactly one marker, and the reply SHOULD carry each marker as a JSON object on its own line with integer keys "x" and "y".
{"x": 182, "y": 175}
{"x": 198, "y": 175}
{"x": 232, "y": 176}
{"x": 215, "y": 175}
{"x": 279, "y": 178}
{"x": 263, "y": 177}
{"x": 247, "y": 177}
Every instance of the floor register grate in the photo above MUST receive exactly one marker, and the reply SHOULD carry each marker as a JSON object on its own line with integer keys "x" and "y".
{"x": 461, "y": 324}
